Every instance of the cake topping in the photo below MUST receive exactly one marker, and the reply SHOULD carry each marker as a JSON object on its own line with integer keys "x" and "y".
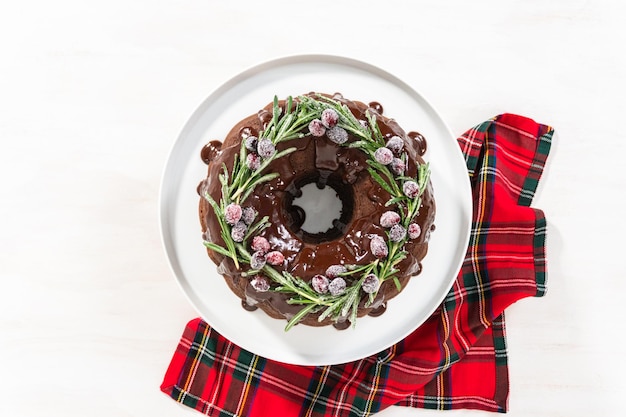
{"x": 383, "y": 156}
{"x": 395, "y": 143}
{"x": 414, "y": 231}
{"x": 266, "y": 148}
{"x": 251, "y": 143}
{"x": 330, "y": 118}
{"x": 233, "y": 213}
{"x": 398, "y": 166}
{"x": 389, "y": 219}
{"x": 378, "y": 247}
{"x": 274, "y": 258}
{"x": 260, "y": 283}
{"x": 370, "y": 284}
{"x": 411, "y": 189}
{"x": 253, "y": 161}
{"x": 257, "y": 260}
{"x": 397, "y": 233}
{"x": 320, "y": 284}
{"x": 317, "y": 128}
{"x": 260, "y": 244}
{"x": 248, "y": 214}
{"x": 337, "y": 134}
{"x": 337, "y": 286}
{"x": 238, "y": 232}
{"x": 334, "y": 271}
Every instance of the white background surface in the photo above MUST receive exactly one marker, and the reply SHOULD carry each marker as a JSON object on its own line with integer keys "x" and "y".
{"x": 93, "y": 94}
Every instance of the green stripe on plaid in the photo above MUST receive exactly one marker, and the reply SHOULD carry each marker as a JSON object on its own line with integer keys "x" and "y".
{"x": 529, "y": 188}
{"x": 539, "y": 243}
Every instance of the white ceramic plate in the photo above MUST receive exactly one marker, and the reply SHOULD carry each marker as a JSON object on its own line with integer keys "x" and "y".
{"x": 244, "y": 95}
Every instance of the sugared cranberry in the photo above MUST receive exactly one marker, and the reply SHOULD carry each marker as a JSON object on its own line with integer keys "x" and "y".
{"x": 395, "y": 143}
{"x": 378, "y": 247}
{"x": 383, "y": 156}
{"x": 248, "y": 214}
{"x": 330, "y": 118}
{"x": 320, "y": 284}
{"x": 414, "y": 231}
{"x": 260, "y": 244}
{"x": 337, "y": 286}
{"x": 265, "y": 148}
{"x": 398, "y": 166}
{"x": 334, "y": 271}
{"x": 411, "y": 189}
{"x": 253, "y": 161}
{"x": 257, "y": 260}
{"x": 238, "y": 232}
{"x": 370, "y": 284}
{"x": 317, "y": 128}
{"x": 337, "y": 134}
{"x": 389, "y": 218}
{"x": 251, "y": 143}
{"x": 397, "y": 233}
{"x": 232, "y": 213}
{"x": 260, "y": 283}
{"x": 274, "y": 258}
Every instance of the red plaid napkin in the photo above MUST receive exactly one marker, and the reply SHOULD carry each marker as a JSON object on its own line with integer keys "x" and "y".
{"x": 457, "y": 359}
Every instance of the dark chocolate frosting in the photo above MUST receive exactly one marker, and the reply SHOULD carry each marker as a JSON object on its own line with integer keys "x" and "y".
{"x": 318, "y": 160}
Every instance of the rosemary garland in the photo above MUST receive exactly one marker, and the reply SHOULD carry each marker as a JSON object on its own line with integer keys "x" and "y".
{"x": 238, "y": 228}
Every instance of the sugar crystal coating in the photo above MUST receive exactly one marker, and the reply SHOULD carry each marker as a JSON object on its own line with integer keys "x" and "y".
{"x": 238, "y": 232}
{"x": 337, "y": 134}
{"x": 389, "y": 218}
{"x": 378, "y": 247}
{"x": 251, "y": 143}
{"x": 260, "y": 283}
{"x": 333, "y": 271}
{"x": 370, "y": 284}
{"x": 330, "y": 118}
{"x": 260, "y": 244}
{"x": 257, "y": 260}
{"x": 274, "y": 258}
{"x": 248, "y": 215}
{"x": 397, "y": 233}
{"x": 320, "y": 284}
{"x": 414, "y": 230}
{"x": 398, "y": 166}
{"x": 337, "y": 286}
{"x": 411, "y": 189}
{"x": 253, "y": 161}
{"x": 383, "y": 156}
{"x": 395, "y": 143}
{"x": 266, "y": 148}
{"x": 317, "y": 128}
{"x": 232, "y": 213}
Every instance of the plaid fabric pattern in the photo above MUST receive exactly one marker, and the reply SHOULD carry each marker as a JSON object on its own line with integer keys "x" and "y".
{"x": 456, "y": 359}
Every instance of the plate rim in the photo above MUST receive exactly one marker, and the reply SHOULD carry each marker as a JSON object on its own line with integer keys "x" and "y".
{"x": 249, "y": 72}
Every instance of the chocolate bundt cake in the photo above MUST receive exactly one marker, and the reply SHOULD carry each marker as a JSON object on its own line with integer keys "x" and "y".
{"x": 252, "y": 225}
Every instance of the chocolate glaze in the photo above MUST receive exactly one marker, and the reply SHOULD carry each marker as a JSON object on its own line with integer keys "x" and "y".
{"x": 325, "y": 163}
{"x": 420, "y": 142}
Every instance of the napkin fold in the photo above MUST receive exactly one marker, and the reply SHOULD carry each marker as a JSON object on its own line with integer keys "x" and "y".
{"x": 456, "y": 359}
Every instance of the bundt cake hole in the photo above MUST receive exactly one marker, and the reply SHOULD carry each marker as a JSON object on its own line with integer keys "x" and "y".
{"x": 319, "y": 208}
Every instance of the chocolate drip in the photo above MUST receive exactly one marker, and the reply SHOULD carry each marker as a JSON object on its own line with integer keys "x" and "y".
{"x": 376, "y": 106}
{"x": 420, "y": 142}
{"x": 378, "y": 311}
{"x": 210, "y": 151}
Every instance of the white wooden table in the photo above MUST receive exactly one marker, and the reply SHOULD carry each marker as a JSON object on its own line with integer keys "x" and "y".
{"x": 93, "y": 94}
